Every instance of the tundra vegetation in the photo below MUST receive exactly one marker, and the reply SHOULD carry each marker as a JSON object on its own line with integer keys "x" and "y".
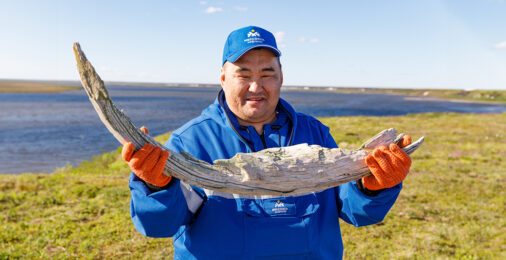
{"x": 452, "y": 204}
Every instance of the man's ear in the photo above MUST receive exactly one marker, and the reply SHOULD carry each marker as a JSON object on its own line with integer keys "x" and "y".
{"x": 222, "y": 75}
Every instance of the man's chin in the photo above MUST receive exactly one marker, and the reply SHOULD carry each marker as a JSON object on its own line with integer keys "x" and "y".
{"x": 256, "y": 117}
{"x": 253, "y": 111}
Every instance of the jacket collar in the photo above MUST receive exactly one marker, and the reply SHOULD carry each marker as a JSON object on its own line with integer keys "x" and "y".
{"x": 283, "y": 108}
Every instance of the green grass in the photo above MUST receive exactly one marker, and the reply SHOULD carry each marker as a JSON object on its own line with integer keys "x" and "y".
{"x": 452, "y": 204}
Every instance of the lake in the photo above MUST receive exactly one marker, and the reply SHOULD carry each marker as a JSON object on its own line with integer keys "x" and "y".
{"x": 40, "y": 132}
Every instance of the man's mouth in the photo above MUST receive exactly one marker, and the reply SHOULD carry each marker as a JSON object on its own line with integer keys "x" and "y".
{"x": 255, "y": 100}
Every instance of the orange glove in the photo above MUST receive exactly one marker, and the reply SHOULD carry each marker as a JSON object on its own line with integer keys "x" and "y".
{"x": 147, "y": 163}
{"x": 389, "y": 166}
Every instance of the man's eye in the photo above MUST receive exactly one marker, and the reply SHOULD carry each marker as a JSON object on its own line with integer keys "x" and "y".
{"x": 243, "y": 76}
{"x": 268, "y": 76}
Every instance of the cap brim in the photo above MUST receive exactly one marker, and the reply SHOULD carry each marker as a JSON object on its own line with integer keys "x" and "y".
{"x": 233, "y": 58}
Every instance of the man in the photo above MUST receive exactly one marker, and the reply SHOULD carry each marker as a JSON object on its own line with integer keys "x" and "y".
{"x": 249, "y": 116}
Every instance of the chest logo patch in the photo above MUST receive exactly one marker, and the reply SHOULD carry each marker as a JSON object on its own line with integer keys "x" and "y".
{"x": 279, "y": 208}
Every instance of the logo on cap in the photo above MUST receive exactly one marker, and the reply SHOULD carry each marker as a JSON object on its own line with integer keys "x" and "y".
{"x": 252, "y": 33}
{"x": 254, "y": 37}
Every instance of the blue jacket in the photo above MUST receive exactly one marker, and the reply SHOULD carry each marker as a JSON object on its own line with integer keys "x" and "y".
{"x": 207, "y": 224}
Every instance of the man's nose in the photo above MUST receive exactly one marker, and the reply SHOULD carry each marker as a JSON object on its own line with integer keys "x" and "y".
{"x": 255, "y": 85}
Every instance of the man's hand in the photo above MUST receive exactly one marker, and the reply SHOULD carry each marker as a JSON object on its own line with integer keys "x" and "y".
{"x": 389, "y": 166}
{"x": 147, "y": 163}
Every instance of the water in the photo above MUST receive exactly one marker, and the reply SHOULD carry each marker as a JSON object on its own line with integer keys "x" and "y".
{"x": 40, "y": 132}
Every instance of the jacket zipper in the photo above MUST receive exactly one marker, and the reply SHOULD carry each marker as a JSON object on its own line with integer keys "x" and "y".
{"x": 263, "y": 141}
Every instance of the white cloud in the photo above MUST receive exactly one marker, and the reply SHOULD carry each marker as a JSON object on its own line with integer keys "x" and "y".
{"x": 314, "y": 40}
{"x": 280, "y": 36}
{"x": 501, "y": 45}
{"x": 280, "y": 39}
{"x": 203, "y": 2}
{"x": 302, "y": 39}
{"x": 212, "y": 9}
{"x": 241, "y": 8}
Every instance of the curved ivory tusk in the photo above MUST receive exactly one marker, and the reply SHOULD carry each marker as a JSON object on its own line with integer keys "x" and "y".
{"x": 282, "y": 171}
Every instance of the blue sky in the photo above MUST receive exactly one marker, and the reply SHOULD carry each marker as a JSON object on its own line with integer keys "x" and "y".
{"x": 358, "y": 43}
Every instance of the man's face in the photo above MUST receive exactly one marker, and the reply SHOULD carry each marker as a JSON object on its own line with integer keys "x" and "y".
{"x": 252, "y": 85}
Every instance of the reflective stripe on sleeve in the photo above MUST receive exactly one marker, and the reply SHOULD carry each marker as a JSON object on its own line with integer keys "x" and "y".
{"x": 193, "y": 199}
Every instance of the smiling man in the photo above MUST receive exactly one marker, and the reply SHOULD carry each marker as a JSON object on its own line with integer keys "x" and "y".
{"x": 252, "y": 85}
{"x": 248, "y": 116}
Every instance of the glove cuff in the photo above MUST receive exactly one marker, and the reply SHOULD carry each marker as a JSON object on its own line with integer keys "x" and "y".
{"x": 161, "y": 180}
{"x": 367, "y": 192}
{"x": 154, "y": 188}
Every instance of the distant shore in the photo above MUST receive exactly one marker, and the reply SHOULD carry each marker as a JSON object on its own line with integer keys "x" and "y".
{"x": 460, "y": 95}
{"x": 488, "y": 96}
{"x": 29, "y": 86}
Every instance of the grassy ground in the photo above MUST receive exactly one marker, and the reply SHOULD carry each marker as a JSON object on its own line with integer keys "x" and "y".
{"x": 452, "y": 204}
{"x": 34, "y": 87}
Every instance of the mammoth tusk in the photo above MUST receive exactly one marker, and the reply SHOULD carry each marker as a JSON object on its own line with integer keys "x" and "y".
{"x": 282, "y": 171}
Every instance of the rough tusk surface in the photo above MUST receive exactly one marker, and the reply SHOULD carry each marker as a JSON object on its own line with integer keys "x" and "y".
{"x": 285, "y": 171}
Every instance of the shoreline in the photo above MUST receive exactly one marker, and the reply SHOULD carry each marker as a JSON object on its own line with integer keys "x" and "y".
{"x": 454, "y": 95}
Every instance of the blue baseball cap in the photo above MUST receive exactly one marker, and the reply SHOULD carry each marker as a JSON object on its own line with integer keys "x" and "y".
{"x": 244, "y": 39}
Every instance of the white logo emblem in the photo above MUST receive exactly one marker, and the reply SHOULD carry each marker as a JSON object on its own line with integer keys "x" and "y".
{"x": 279, "y": 208}
{"x": 279, "y": 204}
{"x": 254, "y": 37}
{"x": 253, "y": 34}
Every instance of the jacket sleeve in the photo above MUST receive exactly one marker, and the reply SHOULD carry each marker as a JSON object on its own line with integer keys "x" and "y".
{"x": 162, "y": 213}
{"x": 357, "y": 208}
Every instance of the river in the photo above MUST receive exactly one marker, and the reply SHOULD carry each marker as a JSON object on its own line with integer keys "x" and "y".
{"x": 40, "y": 132}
